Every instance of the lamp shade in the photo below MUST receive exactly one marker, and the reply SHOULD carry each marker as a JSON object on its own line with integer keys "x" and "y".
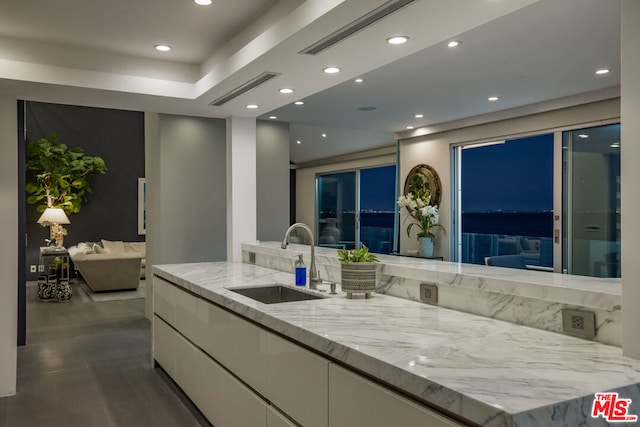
{"x": 53, "y": 216}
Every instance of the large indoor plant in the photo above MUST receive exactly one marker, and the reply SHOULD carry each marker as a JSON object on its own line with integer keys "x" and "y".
{"x": 427, "y": 219}
{"x": 59, "y": 177}
{"x": 357, "y": 271}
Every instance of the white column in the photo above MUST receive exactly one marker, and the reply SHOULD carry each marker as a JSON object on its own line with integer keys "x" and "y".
{"x": 241, "y": 184}
{"x": 8, "y": 245}
{"x": 630, "y": 156}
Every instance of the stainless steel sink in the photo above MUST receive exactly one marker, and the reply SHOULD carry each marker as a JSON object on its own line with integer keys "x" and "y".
{"x": 273, "y": 294}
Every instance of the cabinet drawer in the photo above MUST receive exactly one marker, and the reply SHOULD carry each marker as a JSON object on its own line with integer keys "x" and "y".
{"x": 297, "y": 382}
{"x": 228, "y": 403}
{"x": 164, "y": 346}
{"x": 235, "y": 343}
{"x": 355, "y": 401}
{"x": 164, "y": 299}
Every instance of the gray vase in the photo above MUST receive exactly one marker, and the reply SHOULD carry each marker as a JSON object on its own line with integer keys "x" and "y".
{"x": 425, "y": 247}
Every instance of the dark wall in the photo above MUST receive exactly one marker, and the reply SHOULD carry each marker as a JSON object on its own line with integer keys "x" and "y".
{"x": 115, "y": 135}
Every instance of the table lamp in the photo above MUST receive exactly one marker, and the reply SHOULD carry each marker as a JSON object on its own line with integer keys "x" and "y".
{"x": 53, "y": 217}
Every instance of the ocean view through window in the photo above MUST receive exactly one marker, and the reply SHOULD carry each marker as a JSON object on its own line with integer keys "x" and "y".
{"x": 507, "y": 201}
{"x": 356, "y": 208}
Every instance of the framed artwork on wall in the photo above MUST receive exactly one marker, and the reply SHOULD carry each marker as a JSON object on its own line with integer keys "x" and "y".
{"x": 142, "y": 211}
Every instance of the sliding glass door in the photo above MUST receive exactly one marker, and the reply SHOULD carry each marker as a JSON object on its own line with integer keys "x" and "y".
{"x": 356, "y": 208}
{"x": 505, "y": 202}
{"x": 336, "y": 223}
{"x": 592, "y": 201}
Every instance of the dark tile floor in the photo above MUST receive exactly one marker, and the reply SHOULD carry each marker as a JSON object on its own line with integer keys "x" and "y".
{"x": 89, "y": 364}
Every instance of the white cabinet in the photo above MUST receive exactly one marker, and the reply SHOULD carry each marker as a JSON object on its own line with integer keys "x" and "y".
{"x": 164, "y": 299}
{"x": 224, "y": 400}
{"x": 276, "y": 419}
{"x": 357, "y": 402}
{"x": 297, "y": 382}
{"x": 236, "y": 343}
{"x": 233, "y": 370}
{"x": 164, "y": 346}
{"x": 228, "y": 402}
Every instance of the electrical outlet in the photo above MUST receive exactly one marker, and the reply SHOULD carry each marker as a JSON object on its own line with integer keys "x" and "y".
{"x": 33, "y": 268}
{"x": 41, "y": 268}
{"x": 429, "y": 293}
{"x": 579, "y": 323}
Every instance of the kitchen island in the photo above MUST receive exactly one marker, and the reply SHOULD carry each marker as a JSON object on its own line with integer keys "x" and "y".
{"x": 473, "y": 370}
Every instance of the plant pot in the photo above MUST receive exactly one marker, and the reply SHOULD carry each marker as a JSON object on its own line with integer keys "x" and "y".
{"x": 425, "y": 247}
{"x": 358, "y": 277}
{"x": 46, "y": 288}
{"x": 63, "y": 291}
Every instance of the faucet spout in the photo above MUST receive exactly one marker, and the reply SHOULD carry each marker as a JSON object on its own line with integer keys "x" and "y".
{"x": 314, "y": 277}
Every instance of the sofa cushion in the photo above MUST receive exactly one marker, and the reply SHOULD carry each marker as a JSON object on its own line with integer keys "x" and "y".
{"x": 139, "y": 247}
{"x": 113, "y": 247}
{"x": 98, "y": 249}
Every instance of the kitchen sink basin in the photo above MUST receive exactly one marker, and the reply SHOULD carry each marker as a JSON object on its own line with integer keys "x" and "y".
{"x": 273, "y": 294}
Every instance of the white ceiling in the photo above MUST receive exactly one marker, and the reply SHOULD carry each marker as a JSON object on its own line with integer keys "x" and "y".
{"x": 101, "y": 54}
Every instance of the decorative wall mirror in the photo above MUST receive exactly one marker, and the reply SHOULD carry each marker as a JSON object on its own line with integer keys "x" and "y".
{"x": 423, "y": 178}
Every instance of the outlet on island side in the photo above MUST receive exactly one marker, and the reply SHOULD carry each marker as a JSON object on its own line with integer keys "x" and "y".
{"x": 33, "y": 268}
{"x": 579, "y": 323}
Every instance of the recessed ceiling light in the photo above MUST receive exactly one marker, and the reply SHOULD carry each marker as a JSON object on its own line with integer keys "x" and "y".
{"x": 203, "y": 2}
{"x": 602, "y": 71}
{"x": 397, "y": 40}
{"x": 409, "y": 127}
{"x": 252, "y": 106}
{"x": 299, "y": 102}
{"x": 163, "y": 47}
{"x": 298, "y": 142}
{"x": 286, "y": 90}
{"x": 273, "y": 117}
{"x": 492, "y": 98}
{"x": 324, "y": 135}
{"x": 454, "y": 43}
{"x": 419, "y": 116}
{"x": 359, "y": 80}
{"x": 583, "y": 136}
{"x": 331, "y": 70}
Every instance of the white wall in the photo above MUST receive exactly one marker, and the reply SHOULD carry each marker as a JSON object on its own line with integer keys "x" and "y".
{"x": 272, "y": 179}
{"x": 434, "y": 150}
{"x": 630, "y": 155}
{"x": 435, "y": 153}
{"x": 241, "y": 184}
{"x": 306, "y": 183}
{"x": 8, "y": 244}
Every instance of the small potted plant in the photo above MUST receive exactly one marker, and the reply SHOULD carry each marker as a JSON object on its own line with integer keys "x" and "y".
{"x": 358, "y": 271}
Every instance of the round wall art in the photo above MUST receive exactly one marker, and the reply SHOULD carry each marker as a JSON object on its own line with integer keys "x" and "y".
{"x": 423, "y": 178}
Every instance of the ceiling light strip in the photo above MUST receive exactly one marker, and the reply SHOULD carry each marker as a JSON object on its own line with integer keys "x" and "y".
{"x": 243, "y": 88}
{"x": 355, "y": 26}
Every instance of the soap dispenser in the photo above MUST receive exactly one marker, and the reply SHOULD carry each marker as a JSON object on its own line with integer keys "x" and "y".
{"x": 301, "y": 272}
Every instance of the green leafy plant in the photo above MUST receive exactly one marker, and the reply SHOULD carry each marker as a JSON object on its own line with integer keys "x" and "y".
{"x": 58, "y": 177}
{"x": 356, "y": 255}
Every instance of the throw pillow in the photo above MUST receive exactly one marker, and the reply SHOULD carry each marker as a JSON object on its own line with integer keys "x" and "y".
{"x": 113, "y": 247}
{"x": 98, "y": 249}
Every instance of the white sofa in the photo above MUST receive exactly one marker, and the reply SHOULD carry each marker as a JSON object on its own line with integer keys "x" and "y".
{"x": 111, "y": 265}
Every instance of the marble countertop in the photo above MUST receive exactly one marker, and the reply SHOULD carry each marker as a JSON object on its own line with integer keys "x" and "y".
{"x": 587, "y": 292}
{"x": 487, "y": 371}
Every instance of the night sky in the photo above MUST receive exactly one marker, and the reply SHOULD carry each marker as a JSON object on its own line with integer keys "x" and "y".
{"x": 515, "y": 176}
{"x": 377, "y": 189}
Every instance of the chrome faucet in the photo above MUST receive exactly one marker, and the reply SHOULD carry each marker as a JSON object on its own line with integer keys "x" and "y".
{"x": 314, "y": 277}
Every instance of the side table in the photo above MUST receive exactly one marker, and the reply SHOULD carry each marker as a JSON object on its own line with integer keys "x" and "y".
{"x": 60, "y": 289}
